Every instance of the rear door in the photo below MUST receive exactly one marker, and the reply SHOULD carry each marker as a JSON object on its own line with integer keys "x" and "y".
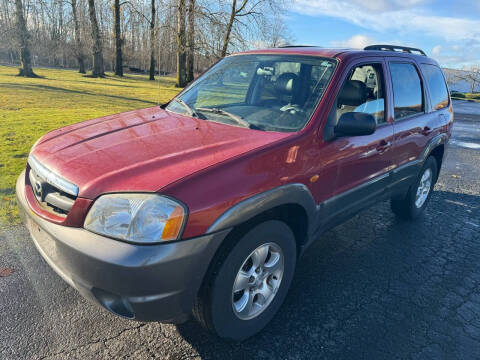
{"x": 414, "y": 124}
{"x": 440, "y": 105}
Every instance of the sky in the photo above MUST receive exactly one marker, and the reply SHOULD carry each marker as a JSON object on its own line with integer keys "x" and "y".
{"x": 447, "y": 30}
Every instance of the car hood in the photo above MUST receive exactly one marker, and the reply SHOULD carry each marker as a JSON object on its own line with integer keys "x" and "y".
{"x": 142, "y": 150}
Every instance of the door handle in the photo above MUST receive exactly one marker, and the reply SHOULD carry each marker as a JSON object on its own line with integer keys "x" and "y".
{"x": 426, "y": 130}
{"x": 383, "y": 146}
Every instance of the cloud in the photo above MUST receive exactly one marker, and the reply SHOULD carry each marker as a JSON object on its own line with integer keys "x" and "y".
{"x": 436, "y": 50}
{"x": 457, "y": 56}
{"x": 403, "y": 16}
{"x": 462, "y": 54}
{"x": 356, "y": 42}
{"x": 360, "y": 41}
{"x": 387, "y": 5}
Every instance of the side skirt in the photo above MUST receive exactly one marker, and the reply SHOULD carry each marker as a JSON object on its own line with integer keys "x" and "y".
{"x": 342, "y": 207}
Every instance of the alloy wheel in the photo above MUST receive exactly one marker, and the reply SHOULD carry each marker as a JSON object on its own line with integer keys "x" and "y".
{"x": 423, "y": 188}
{"x": 257, "y": 281}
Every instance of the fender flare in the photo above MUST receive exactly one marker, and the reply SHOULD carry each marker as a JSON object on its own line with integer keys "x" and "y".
{"x": 432, "y": 144}
{"x": 296, "y": 193}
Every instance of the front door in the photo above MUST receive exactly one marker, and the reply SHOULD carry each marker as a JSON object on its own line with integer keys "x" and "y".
{"x": 364, "y": 162}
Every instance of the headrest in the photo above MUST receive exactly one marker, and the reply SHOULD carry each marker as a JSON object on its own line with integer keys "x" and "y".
{"x": 285, "y": 83}
{"x": 353, "y": 93}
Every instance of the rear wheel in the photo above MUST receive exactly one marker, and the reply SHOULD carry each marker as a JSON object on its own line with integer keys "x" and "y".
{"x": 414, "y": 203}
{"x": 246, "y": 289}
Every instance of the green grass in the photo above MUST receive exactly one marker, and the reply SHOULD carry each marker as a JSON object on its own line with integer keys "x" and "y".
{"x": 467, "y": 96}
{"x": 31, "y": 107}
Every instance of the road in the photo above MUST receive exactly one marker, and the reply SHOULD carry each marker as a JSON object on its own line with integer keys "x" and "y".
{"x": 373, "y": 288}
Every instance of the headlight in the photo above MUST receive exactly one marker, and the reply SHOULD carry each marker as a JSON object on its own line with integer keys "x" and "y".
{"x": 140, "y": 218}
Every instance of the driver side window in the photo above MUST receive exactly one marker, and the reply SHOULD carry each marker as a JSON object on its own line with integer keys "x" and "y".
{"x": 363, "y": 91}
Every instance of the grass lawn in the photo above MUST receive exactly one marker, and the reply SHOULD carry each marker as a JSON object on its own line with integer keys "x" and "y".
{"x": 467, "y": 96}
{"x": 31, "y": 107}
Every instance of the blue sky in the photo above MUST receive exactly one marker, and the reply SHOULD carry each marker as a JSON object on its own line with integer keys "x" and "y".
{"x": 448, "y": 30}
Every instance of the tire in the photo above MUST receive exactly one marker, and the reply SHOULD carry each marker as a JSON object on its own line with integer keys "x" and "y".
{"x": 411, "y": 207}
{"x": 215, "y": 305}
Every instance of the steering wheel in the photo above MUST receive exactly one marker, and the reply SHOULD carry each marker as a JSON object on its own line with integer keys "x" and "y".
{"x": 291, "y": 108}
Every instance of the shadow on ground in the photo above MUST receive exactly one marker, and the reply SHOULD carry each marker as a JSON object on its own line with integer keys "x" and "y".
{"x": 372, "y": 288}
{"x": 71, "y": 91}
{"x": 378, "y": 287}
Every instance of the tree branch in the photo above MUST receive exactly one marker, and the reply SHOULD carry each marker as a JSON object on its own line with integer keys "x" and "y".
{"x": 239, "y": 10}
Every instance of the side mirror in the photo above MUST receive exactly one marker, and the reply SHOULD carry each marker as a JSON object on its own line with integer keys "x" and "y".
{"x": 355, "y": 124}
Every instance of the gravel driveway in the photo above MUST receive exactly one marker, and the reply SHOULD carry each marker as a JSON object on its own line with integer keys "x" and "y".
{"x": 373, "y": 288}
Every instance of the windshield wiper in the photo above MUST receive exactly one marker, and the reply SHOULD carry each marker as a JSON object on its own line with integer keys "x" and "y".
{"x": 191, "y": 112}
{"x": 234, "y": 117}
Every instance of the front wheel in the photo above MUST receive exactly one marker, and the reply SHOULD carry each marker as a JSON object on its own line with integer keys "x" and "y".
{"x": 418, "y": 196}
{"x": 249, "y": 284}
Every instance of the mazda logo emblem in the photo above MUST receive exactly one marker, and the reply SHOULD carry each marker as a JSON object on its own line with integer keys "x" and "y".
{"x": 38, "y": 190}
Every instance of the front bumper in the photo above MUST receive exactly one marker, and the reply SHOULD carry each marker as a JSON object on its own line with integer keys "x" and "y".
{"x": 142, "y": 282}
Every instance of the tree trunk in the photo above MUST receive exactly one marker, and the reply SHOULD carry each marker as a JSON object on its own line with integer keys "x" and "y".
{"x": 24, "y": 38}
{"x": 152, "y": 43}
{"x": 118, "y": 40}
{"x": 78, "y": 43}
{"x": 190, "y": 40}
{"x": 98, "y": 67}
{"x": 61, "y": 34}
{"x": 226, "y": 39}
{"x": 181, "y": 42}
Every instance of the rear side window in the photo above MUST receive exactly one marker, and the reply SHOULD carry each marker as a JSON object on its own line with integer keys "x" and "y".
{"x": 407, "y": 90}
{"x": 436, "y": 86}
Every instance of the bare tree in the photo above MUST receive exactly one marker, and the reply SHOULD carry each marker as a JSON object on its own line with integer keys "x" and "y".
{"x": 78, "y": 42}
{"x": 190, "y": 40}
{"x": 61, "y": 32}
{"x": 151, "y": 23}
{"x": 24, "y": 39}
{"x": 152, "y": 43}
{"x": 273, "y": 32}
{"x": 472, "y": 75}
{"x": 118, "y": 39}
{"x": 181, "y": 44}
{"x": 98, "y": 67}
{"x": 234, "y": 14}
{"x": 64, "y": 36}
{"x": 450, "y": 77}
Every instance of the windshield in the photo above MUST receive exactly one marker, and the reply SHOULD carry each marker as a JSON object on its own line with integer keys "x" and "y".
{"x": 265, "y": 92}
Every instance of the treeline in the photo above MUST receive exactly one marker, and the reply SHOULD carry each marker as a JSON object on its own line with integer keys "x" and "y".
{"x": 464, "y": 80}
{"x": 151, "y": 36}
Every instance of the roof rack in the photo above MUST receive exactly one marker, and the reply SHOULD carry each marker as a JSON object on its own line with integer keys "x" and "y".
{"x": 395, "y": 48}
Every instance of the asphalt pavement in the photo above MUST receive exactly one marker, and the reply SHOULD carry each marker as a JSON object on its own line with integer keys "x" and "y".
{"x": 373, "y": 288}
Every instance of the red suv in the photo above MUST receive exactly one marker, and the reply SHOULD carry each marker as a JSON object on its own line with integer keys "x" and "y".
{"x": 205, "y": 204}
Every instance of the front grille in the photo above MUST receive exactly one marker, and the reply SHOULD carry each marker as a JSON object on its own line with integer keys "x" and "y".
{"x": 53, "y": 193}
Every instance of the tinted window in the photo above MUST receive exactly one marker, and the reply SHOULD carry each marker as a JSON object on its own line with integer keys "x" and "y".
{"x": 363, "y": 91}
{"x": 436, "y": 86}
{"x": 407, "y": 90}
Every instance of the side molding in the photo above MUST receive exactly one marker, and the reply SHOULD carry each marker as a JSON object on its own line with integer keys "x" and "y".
{"x": 286, "y": 194}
